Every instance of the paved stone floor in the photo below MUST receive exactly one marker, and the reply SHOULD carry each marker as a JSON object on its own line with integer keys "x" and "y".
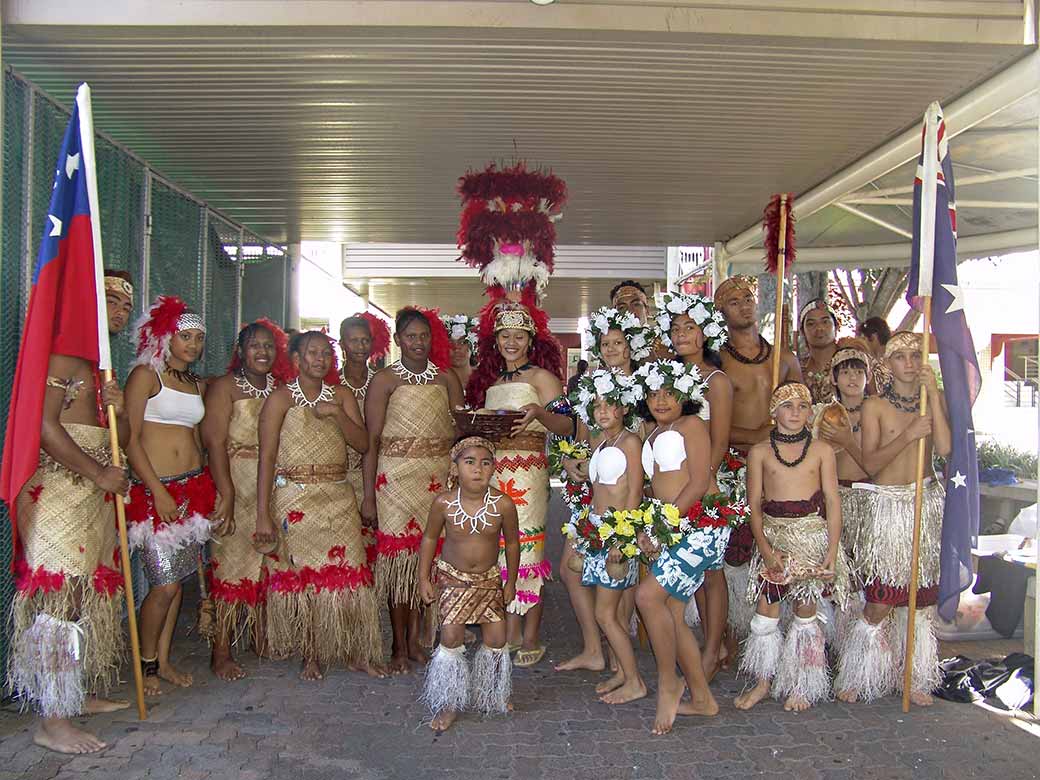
{"x": 274, "y": 726}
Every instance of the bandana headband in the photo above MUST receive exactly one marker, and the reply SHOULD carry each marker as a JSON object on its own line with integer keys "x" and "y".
{"x": 190, "y": 321}
{"x": 734, "y": 284}
{"x": 462, "y": 445}
{"x": 786, "y": 393}
{"x": 849, "y": 354}
{"x": 903, "y": 339}
{"x": 816, "y": 303}
{"x": 118, "y": 284}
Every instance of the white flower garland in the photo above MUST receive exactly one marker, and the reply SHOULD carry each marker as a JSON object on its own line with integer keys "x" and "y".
{"x": 461, "y": 326}
{"x": 682, "y": 379}
{"x": 615, "y": 388}
{"x": 699, "y": 309}
{"x": 636, "y": 334}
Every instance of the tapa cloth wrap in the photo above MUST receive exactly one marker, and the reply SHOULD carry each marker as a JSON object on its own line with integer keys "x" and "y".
{"x": 882, "y": 548}
{"x": 237, "y": 571}
{"x": 798, "y": 530}
{"x": 522, "y": 472}
{"x": 67, "y": 567}
{"x": 469, "y": 597}
{"x": 321, "y": 600}
{"x": 411, "y": 471}
{"x": 170, "y": 551}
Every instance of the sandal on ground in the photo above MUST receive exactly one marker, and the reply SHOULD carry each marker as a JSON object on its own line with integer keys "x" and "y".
{"x": 512, "y": 647}
{"x": 525, "y": 658}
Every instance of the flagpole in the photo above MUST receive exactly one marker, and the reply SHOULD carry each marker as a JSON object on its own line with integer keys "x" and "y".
{"x": 781, "y": 269}
{"x": 86, "y": 124}
{"x": 915, "y": 552}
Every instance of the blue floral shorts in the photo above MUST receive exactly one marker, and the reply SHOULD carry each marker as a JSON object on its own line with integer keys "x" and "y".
{"x": 594, "y": 572}
{"x": 680, "y": 568}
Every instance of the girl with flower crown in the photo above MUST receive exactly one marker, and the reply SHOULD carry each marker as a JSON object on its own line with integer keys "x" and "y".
{"x": 676, "y": 458}
{"x": 605, "y": 402}
{"x": 172, "y": 496}
{"x": 695, "y": 331}
{"x": 462, "y": 330}
{"x": 618, "y": 340}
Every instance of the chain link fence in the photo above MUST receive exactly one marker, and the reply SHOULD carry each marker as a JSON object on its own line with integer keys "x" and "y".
{"x": 169, "y": 241}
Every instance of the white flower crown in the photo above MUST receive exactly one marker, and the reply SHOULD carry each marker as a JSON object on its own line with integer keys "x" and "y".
{"x": 636, "y": 334}
{"x": 461, "y": 326}
{"x": 615, "y": 388}
{"x": 699, "y": 309}
{"x": 683, "y": 379}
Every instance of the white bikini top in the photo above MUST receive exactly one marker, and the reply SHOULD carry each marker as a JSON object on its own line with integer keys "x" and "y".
{"x": 607, "y": 464}
{"x": 705, "y": 412}
{"x": 174, "y": 407}
{"x": 668, "y": 452}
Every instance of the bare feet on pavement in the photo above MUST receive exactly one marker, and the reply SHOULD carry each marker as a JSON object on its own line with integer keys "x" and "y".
{"x": 443, "y": 720}
{"x": 630, "y": 691}
{"x": 593, "y": 662}
{"x": 311, "y": 670}
{"x": 749, "y": 699}
{"x": 616, "y": 681}
{"x": 95, "y": 705}
{"x": 62, "y": 737}
{"x": 172, "y": 674}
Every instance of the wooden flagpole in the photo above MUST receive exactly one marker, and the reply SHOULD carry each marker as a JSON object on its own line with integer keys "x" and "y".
{"x": 124, "y": 553}
{"x": 781, "y": 270}
{"x": 915, "y": 554}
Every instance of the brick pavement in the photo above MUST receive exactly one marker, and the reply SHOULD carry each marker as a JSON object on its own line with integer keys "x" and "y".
{"x": 272, "y": 725}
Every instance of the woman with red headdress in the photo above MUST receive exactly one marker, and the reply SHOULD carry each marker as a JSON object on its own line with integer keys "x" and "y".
{"x": 172, "y": 496}
{"x": 411, "y": 431}
{"x": 321, "y": 602}
{"x": 230, "y": 433}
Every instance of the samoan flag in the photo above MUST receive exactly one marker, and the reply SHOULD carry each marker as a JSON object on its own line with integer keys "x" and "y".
{"x": 933, "y": 272}
{"x": 67, "y": 311}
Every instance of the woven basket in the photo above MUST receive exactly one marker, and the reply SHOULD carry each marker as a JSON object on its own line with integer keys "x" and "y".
{"x": 491, "y": 424}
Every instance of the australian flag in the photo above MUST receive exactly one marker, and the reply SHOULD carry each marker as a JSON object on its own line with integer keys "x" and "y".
{"x": 67, "y": 311}
{"x": 933, "y": 272}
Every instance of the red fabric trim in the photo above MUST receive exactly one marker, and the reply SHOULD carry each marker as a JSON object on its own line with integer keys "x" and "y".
{"x": 199, "y": 491}
{"x": 107, "y": 581}
{"x": 28, "y": 582}
{"x": 392, "y": 545}
{"x": 331, "y": 577}
{"x": 249, "y": 592}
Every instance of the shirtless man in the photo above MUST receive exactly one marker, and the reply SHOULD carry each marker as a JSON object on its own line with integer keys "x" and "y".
{"x": 747, "y": 359}
{"x": 892, "y": 427}
{"x": 470, "y": 588}
{"x": 67, "y": 533}
{"x": 818, "y": 325}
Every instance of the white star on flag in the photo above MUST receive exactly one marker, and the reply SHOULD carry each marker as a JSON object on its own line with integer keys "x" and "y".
{"x": 71, "y": 164}
{"x": 957, "y": 304}
{"x": 55, "y": 225}
{"x": 959, "y": 480}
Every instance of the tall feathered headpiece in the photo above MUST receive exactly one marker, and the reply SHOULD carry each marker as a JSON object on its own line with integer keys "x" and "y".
{"x": 506, "y": 229}
{"x": 779, "y": 212}
{"x": 156, "y": 327}
{"x": 380, "y": 332}
{"x": 281, "y": 368}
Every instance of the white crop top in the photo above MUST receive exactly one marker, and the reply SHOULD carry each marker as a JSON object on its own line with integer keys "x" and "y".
{"x": 174, "y": 407}
{"x": 607, "y": 464}
{"x": 668, "y": 452}
{"x": 705, "y": 411}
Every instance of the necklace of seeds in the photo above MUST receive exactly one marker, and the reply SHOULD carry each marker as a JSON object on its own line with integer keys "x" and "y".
{"x": 790, "y": 438}
{"x": 327, "y": 394}
{"x": 247, "y": 387}
{"x": 906, "y": 403}
{"x": 764, "y": 351}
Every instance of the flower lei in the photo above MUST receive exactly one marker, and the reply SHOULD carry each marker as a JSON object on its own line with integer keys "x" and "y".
{"x": 717, "y": 510}
{"x": 615, "y": 388}
{"x": 656, "y": 519}
{"x": 732, "y": 476}
{"x": 583, "y": 534}
{"x": 699, "y": 309}
{"x": 637, "y": 335}
{"x": 461, "y": 326}
{"x": 682, "y": 379}
{"x": 560, "y": 448}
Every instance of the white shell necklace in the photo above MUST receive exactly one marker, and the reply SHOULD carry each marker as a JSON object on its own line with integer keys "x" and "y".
{"x": 250, "y": 389}
{"x": 326, "y": 394}
{"x": 478, "y": 522}
{"x": 423, "y": 377}
{"x": 359, "y": 392}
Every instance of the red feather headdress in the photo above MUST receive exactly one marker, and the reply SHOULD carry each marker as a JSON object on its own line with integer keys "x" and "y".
{"x": 380, "y": 332}
{"x": 506, "y": 228}
{"x": 281, "y": 368}
{"x": 156, "y": 327}
{"x": 771, "y": 226}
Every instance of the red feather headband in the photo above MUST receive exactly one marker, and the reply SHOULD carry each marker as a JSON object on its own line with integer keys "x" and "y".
{"x": 156, "y": 327}
{"x": 380, "y": 333}
{"x": 771, "y": 226}
{"x": 281, "y": 369}
{"x": 440, "y": 342}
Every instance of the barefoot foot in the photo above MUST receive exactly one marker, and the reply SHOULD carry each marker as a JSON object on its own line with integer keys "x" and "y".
{"x": 796, "y": 703}
{"x": 172, "y": 674}
{"x": 151, "y": 686}
{"x": 848, "y": 696}
{"x": 921, "y": 699}
{"x": 443, "y": 720}
{"x": 61, "y": 736}
{"x": 668, "y": 696}
{"x": 225, "y": 667}
{"x": 311, "y": 671}
{"x": 399, "y": 664}
{"x": 748, "y": 700}
{"x": 710, "y": 665}
{"x": 418, "y": 655}
{"x": 593, "y": 662}
{"x": 699, "y": 705}
{"x": 94, "y": 705}
{"x": 612, "y": 684}
{"x": 630, "y": 691}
